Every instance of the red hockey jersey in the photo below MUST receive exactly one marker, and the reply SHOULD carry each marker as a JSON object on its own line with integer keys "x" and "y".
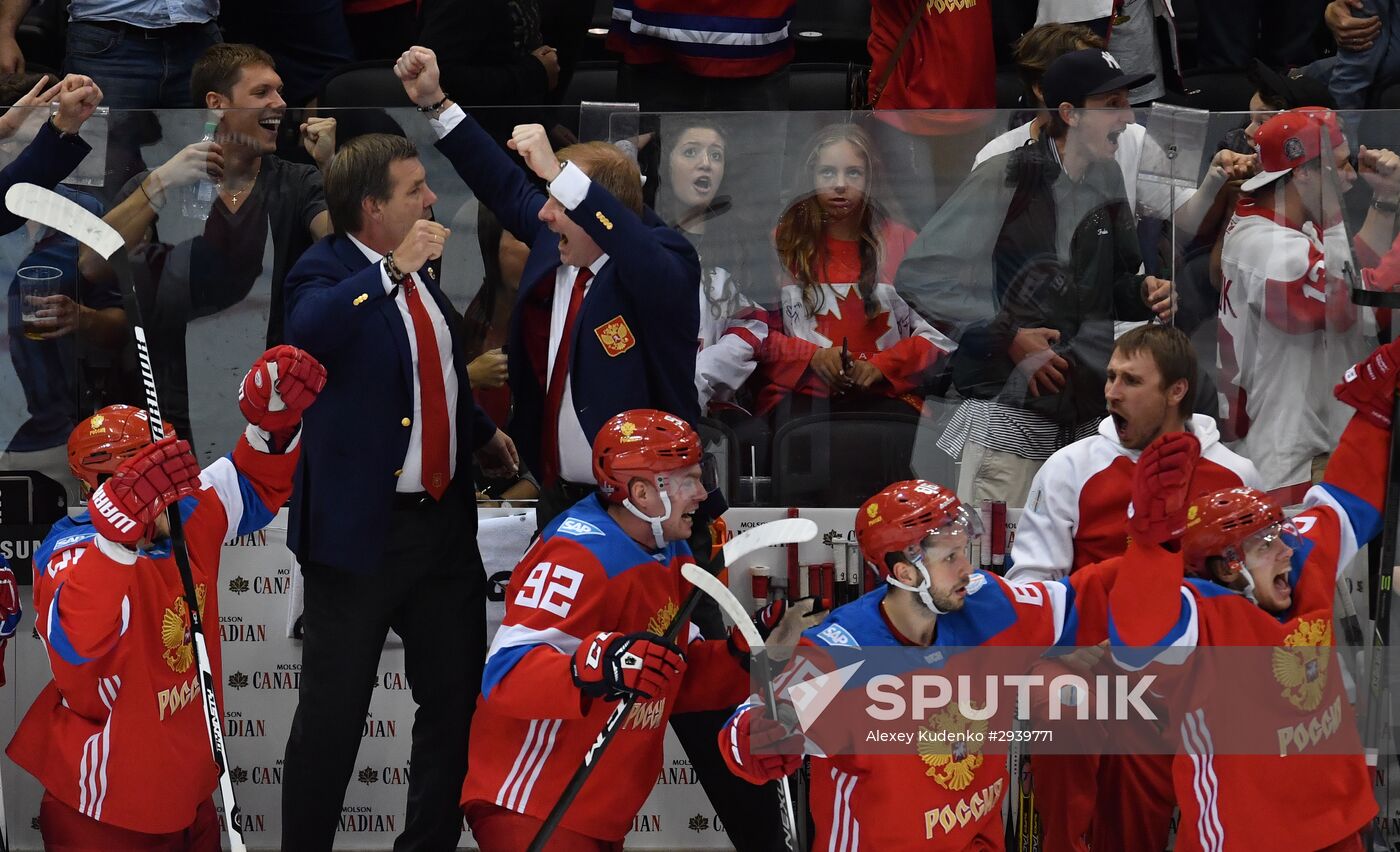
{"x": 1295, "y": 801}
{"x": 119, "y": 734}
{"x": 946, "y": 801}
{"x": 707, "y": 38}
{"x": 533, "y": 726}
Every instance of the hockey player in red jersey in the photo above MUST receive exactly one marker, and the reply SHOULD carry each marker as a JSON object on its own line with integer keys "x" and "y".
{"x": 118, "y": 738}
{"x": 585, "y": 612}
{"x": 918, "y": 535}
{"x": 1258, "y": 580}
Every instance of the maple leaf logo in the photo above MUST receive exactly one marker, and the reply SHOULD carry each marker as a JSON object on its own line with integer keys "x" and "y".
{"x": 369, "y": 776}
{"x": 238, "y": 585}
{"x": 238, "y": 680}
{"x": 699, "y": 822}
{"x": 238, "y": 775}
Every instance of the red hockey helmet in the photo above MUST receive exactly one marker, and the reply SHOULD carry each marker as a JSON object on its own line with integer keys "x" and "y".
{"x": 100, "y": 443}
{"x": 904, "y": 514}
{"x": 642, "y": 440}
{"x": 1220, "y": 524}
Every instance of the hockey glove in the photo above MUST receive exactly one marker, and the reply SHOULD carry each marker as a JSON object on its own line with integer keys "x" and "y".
{"x": 125, "y": 507}
{"x": 1369, "y": 387}
{"x": 611, "y": 666}
{"x": 793, "y": 616}
{"x": 758, "y": 748}
{"x": 282, "y": 383}
{"x": 1161, "y": 486}
{"x": 10, "y": 610}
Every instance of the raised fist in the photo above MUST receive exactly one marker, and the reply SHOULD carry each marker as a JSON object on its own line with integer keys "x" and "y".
{"x": 124, "y": 509}
{"x": 1161, "y": 486}
{"x": 758, "y": 748}
{"x": 635, "y": 665}
{"x": 417, "y": 67}
{"x": 282, "y": 384}
{"x": 424, "y": 242}
{"x": 1369, "y": 386}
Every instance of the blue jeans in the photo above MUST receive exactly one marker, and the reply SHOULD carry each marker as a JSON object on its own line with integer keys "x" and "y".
{"x": 1352, "y": 74}
{"x": 140, "y": 69}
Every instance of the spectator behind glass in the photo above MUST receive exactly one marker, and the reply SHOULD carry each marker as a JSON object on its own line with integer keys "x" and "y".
{"x": 202, "y": 268}
{"x": 485, "y": 324}
{"x": 1286, "y": 317}
{"x": 694, "y": 161}
{"x": 1034, "y": 320}
{"x": 82, "y": 317}
{"x": 847, "y": 340}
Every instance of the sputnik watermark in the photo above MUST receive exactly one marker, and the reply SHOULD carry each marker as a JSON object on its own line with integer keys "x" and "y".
{"x": 1116, "y": 698}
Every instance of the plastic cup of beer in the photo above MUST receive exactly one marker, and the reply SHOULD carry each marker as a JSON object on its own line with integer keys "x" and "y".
{"x": 34, "y": 283}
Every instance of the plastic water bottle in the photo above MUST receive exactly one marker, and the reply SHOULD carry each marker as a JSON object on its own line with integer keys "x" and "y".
{"x": 199, "y": 197}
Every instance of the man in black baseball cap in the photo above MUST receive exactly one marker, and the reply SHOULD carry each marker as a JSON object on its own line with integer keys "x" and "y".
{"x": 1087, "y": 94}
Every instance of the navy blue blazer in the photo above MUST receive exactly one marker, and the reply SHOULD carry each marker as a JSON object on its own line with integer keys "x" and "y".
{"x": 45, "y": 161}
{"x": 354, "y": 438}
{"x": 635, "y": 340}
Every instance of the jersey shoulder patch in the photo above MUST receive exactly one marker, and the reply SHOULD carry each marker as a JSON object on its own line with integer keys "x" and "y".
{"x": 576, "y": 527}
{"x": 838, "y": 636}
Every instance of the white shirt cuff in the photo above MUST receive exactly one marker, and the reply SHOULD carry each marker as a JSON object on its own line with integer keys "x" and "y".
{"x": 450, "y": 118}
{"x": 570, "y": 186}
{"x": 389, "y": 283}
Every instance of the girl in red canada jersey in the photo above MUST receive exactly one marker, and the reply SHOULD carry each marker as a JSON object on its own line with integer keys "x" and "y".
{"x": 1272, "y": 761}
{"x": 119, "y": 738}
{"x": 846, "y": 335}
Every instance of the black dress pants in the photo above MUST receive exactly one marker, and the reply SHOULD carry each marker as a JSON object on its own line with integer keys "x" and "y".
{"x": 431, "y": 590}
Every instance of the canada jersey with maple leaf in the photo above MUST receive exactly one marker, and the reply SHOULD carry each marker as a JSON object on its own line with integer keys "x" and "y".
{"x": 943, "y": 796}
{"x": 899, "y": 342}
{"x": 119, "y": 734}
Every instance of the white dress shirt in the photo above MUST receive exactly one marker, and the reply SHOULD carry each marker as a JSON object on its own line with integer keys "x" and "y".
{"x": 411, "y": 480}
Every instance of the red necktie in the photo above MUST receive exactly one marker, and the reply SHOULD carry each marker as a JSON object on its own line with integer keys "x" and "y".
{"x": 554, "y": 396}
{"x": 432, "y": 394}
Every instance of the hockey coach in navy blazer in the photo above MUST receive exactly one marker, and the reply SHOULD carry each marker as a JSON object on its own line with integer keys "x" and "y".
{"x": 383, "y": 516}
{"x": 630, "y": 343}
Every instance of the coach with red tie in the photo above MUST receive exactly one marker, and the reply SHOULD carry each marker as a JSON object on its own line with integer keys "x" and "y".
{"x": 383, "y": 517}
{"x": 608, "y": 314}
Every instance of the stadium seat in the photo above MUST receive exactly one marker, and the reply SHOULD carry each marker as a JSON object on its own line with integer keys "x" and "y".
{"x": 840, "y": 459}
{"x": 821, "y": 85}
{"x": 41, "y": 35}
{"x": 593, "y": 80}
{"x": 363, "y": 84}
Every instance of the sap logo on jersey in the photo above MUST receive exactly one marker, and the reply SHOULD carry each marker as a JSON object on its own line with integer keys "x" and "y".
{"x": 838, "y": 635}
{"x": 573, "y": 526}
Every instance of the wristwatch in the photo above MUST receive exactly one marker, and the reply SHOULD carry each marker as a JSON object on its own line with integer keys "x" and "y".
{"x": 1386, "y": 206}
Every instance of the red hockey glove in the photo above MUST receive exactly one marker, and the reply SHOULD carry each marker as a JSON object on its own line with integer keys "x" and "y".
{"x": 613, "y": 666}
{"x": 1369, "y": 387}
{"x": 125, "y": 507}
{"x": 10, "y": 610}
{"x": 1161, "y": 486}
{"x": 758, "y": 748}
{"x": 282, "y": 383}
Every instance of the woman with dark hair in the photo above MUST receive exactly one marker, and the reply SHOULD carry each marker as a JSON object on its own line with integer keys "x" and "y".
{"x": 846, "y": 335}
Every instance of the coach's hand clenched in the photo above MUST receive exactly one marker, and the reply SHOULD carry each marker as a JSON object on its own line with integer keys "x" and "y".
{"x": 423, "y": 243}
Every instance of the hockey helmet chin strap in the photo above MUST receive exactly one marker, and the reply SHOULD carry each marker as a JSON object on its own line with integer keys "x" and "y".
{"x": 1235, "y": 560}
{"x": 916, "y": 558}
{"x": 655, "y": 522}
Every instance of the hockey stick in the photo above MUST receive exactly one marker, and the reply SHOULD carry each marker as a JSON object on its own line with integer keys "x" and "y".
{"x": 53, "y": 210}
{"x": 711, "y": 585}
{"x": 787, "y": 531}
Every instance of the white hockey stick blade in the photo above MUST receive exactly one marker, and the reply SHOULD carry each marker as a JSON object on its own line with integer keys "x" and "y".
{"x": 49, "y": 208}
{"x": 715, "y": 588}
{"x": 785, "y": 531}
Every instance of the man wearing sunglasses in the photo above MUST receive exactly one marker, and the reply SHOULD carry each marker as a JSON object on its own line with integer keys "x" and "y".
{"x": 1244, "y": 576}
